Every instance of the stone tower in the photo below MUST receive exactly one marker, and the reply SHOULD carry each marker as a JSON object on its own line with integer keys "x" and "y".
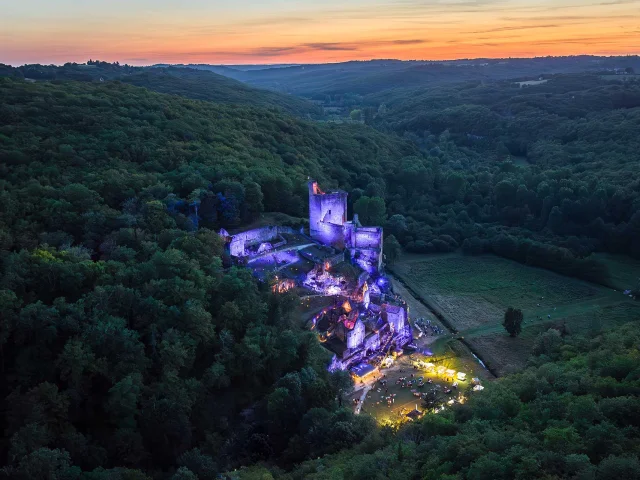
{"x": 327, "y": 215}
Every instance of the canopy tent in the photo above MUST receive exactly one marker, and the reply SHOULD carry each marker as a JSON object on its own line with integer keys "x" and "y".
{"x": 362, "y": 370}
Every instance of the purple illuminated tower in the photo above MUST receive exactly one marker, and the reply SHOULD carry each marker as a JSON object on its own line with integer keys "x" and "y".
{"x": 328, "y": 225}
{"x": 327, "y": 215}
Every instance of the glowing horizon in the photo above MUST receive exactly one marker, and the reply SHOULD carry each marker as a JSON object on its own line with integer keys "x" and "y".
{"x": 144, "y": 32}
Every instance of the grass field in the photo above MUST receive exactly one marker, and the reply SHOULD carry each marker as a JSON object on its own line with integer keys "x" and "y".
{"x": 625, "y": 271}
{"x": 472, "y": 293}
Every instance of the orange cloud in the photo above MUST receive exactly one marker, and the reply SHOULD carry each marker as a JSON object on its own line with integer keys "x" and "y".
{"x": 403, "y": 29}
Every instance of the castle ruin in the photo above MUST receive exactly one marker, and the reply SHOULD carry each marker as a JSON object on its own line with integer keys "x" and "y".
{"x": 365, "y": 322}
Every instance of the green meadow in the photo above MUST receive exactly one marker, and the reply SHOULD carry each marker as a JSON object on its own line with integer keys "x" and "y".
{"x": 472, "y": 293}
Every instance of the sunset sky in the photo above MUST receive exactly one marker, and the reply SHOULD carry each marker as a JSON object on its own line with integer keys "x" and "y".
{"x": 142, "y": 32}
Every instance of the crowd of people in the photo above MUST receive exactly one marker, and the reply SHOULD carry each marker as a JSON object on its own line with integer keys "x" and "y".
{"x": 427, "y": 327}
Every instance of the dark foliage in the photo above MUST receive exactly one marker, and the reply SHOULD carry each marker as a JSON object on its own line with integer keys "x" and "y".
{"x": 513, "y": 321}
{"x": 186, "y": 82}
{"x": 125, "y": 343}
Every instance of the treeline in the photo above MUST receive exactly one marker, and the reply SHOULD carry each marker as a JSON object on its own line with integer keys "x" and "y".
{"x": 574, "y": 413}
{"x": 550, "y": 257}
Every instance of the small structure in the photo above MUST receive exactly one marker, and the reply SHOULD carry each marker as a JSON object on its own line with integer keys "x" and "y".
{"x": 414, "y": 414}
{"x": 252, "y": 243}
{"x": 362, "y": 371}
{"x": 283, "y": 285}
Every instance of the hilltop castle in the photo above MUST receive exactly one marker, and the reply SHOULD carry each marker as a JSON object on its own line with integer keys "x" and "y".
{"x": 328, "y": 224}
{"x": 364, "y": 322}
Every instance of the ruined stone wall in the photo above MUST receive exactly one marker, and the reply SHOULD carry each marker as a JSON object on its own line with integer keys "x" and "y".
{"x": 367, "y": 237}
{"x": 370, "y": 260}
{"x": 372, "y": 342}
{"x": 395, "y": 316}
{"x": 315, "y": 211}
{"x": 349, "y": 236}
{"x": 329, "y": 234}
{"x": 336, "y": 259}
{"x": 264, "y": 234}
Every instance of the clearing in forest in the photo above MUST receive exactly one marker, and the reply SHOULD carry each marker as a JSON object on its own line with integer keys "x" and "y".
{"x": 472, "y": 293}
{"x": 625, "y": 271}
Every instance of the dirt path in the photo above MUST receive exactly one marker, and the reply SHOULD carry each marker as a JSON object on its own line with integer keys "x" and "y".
{"x": 365, "y": 390}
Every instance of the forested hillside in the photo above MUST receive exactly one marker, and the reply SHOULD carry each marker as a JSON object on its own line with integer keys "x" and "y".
{"x": 203, "y": 85}
{"x": 556, "y": 160}
{"x": 545, "y": 174}
{"x": 186, "y": 82}
{"x": 131, "y": 349}
{"x": 362, "y": 78}
{"x": 127, "y": 345}
{"x": 573, "y": 414}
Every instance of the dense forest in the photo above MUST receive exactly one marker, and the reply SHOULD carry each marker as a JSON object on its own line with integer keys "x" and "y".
{"x": 186, "y": 82}
{"x": 131, "y": 348}
{"x": 127, "y": 341}
{"x": 555, "y": 162}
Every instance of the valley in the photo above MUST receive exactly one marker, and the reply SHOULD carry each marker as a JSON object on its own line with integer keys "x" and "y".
{"x": 281, "y": 272}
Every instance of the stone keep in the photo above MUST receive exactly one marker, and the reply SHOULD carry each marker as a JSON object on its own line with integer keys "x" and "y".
{"x": 355, "y": 337}
{"x": 328, "y": 225}
{"x": 327, "y": 215}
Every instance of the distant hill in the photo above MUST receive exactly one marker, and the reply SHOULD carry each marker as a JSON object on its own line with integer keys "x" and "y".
{"x": 363, "y": 78}
{"x": 204, "y": 85}
{"x": 242, "y": 68}
{"x": 186, "y": 82}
